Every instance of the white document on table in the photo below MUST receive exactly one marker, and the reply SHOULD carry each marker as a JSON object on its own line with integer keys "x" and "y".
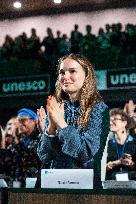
{"x": 122, "y": 177}
{"x": 67, "y": 178}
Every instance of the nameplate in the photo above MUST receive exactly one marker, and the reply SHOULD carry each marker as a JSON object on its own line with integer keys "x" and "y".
{"x": 3, "y": 183}
{"x": 67, "y": 178}
{"x": 112, "y": 184}
{"x": 30, "y": 182}
{"x": 122, "y": 177}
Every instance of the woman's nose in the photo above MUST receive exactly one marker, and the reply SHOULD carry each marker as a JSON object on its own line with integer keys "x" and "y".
{"x": 66, "y": 75}
{"x": 111, "y": 122}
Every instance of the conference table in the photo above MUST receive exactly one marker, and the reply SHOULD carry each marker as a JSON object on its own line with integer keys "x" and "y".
{"x": 67, "y": 196}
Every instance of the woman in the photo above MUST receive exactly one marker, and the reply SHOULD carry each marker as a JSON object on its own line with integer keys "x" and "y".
{"x": 8, "y": 151}
{"x": 9, "y": 134}
{"x": 77, "y": 123}
{"x": 121, "y": 146}
{"x": 130, "y": 109}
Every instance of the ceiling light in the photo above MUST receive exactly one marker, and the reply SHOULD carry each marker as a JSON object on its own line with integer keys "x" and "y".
{"x": 17, "y": 4}
{"x": 57, "y": 1}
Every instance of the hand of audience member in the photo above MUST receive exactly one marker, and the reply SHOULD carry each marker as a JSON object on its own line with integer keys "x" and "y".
{"x": 3, "y": 141}
{"x": 111, "y": 164}
{"x": 15, "y": 132}
{"x": 127, "y": 161}
{"x": 41, "y": 117}
{"x": 130, "y": 107}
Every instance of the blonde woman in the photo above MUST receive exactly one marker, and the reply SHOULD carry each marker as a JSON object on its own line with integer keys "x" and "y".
{"x": 77, "y": 121}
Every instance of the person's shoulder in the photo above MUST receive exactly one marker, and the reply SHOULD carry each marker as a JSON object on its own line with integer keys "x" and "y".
{"x": 131, "y": 139}
{"x": 111, "y": 136}
{"x": 100, "y": 106}
{"x": 100, "y": 110}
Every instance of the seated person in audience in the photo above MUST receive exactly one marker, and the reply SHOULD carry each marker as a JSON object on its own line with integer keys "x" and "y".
{"x": 11, "y": 132}
{"x": 130, "y": 109}
{"x": 77, "y": 120}
{"x": 29, "y": 160}
{"x": 27, "y": 122}
{"x": 121, "y": 146}
{"x": 8, "y": 151}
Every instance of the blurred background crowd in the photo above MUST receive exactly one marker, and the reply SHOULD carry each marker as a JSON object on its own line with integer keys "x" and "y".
{"x": 113, "y": 46}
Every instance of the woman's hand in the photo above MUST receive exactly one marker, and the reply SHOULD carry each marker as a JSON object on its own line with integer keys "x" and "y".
{"x": 3, "y": 141}
{"x": 130, "y": 107}
{"x": 56, "y": 113}
{"x": 41, "y": 117}
{"x": 127, "y": 161}
{"x": 111, "y": 164}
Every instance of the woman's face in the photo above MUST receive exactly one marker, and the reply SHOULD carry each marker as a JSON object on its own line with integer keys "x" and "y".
{"x": 11, "y": 126}
{"x": 117, "y": 124}
{"x": 71, "y": 77}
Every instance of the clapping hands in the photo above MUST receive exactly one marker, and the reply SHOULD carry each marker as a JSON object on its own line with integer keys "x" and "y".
{"x": 3, "y": 139}
{"x": 41, "y": 117}
{"x": 130, "y": 107}
{"x": 55, "y": 113}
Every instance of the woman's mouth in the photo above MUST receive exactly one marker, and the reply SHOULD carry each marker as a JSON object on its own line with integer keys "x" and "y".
{"x": 65, "y": 84}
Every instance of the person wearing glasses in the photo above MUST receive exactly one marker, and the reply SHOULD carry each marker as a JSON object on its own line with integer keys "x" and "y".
{"x": 77, "y": 119}
{"x": 28, "y": 160}
{"x": 121, "y": 151}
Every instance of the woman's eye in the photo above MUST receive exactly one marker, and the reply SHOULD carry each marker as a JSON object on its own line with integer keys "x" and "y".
{"x": 72, "y": 71}
{"x": 62, "y": 73}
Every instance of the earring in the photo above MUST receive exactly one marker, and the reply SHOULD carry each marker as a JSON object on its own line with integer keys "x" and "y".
{"x": 123, "y": 131}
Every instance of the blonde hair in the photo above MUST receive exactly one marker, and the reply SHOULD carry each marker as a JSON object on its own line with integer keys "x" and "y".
{"x": 89, "y": 94}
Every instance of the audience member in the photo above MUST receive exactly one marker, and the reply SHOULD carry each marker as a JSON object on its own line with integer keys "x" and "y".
{"x": 8, "y": 151}
{"x": 77, "y": 120}
{"x": 88, "y": 43}
{"x": 75, "y": 39}
{"x": 65, "y": 45}
{"x": 33, "y": 44}
{"x": 7, "y": 47}
{"x": 27, "y": 147}
{"x": 121, "y": 146}
{"x": 57, "y": 44}
{"x": 130, "y": 109}
{"x": 11, "y": 133}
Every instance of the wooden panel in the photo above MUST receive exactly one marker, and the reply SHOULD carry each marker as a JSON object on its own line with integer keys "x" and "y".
{"x": 42, "y": 198}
